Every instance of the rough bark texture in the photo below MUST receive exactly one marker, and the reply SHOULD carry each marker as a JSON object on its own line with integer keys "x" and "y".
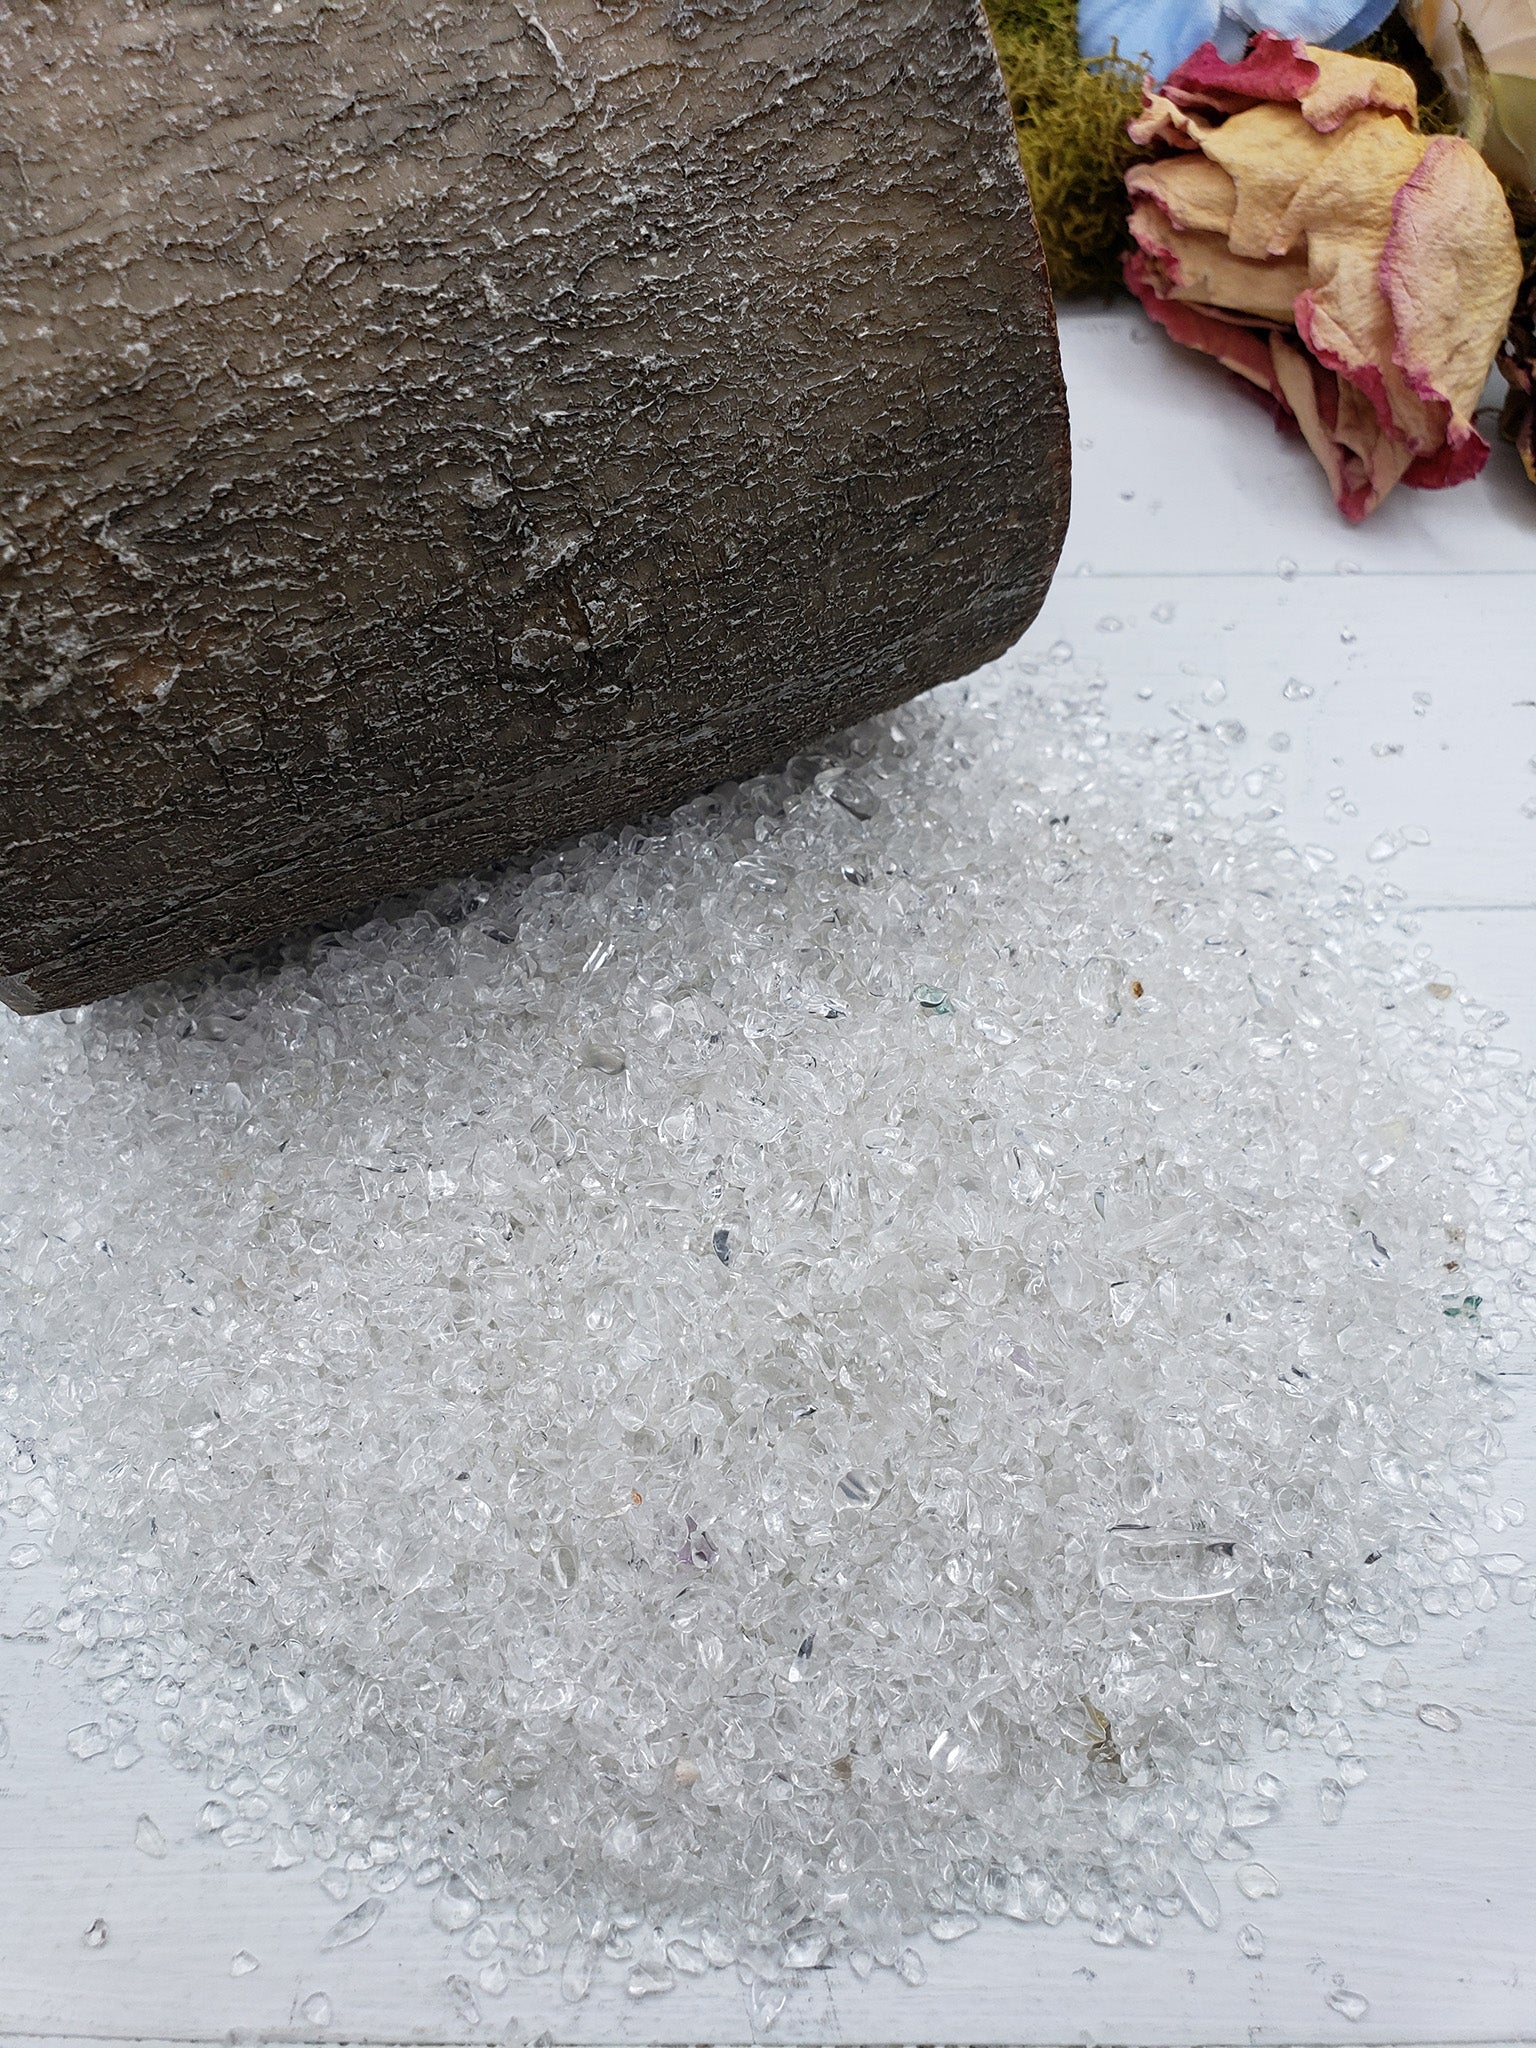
{"x": 430, "y": 430}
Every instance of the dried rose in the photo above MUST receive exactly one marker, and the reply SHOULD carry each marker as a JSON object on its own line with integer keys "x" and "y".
{"x": 1299, "y": 228}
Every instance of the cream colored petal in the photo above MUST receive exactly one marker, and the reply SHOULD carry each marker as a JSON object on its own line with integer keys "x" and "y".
{"x": 1194, "y": 192}
{"x": 1161, "y": 121}
{"x": 1450, "y": 272}
{"x": 1269, "y": 153}
{"x": 1209, "y": 274}
{"x": 1350, "y": 185}
{"x": 1346, "y": 84}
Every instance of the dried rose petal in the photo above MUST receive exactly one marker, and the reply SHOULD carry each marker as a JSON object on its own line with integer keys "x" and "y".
{"x": 1299, "y": 228}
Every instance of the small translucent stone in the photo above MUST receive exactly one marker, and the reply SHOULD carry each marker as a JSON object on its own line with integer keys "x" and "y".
{"x": 355, "y": 1925}
{"x": 95, "y": 1936}
{"x": 86, "y": 1741}
{"x": 649, "y": 1980}
{"x": 952, "y": 1926}
{"x": 1348, "y": 2004}
{"x": 147, "y": 1838}
{"x": 1201, "y": 1896}
{"x": 315, "y": 2010}
{"x": 1250, "y": 1941}
{"x": 764, "y": 2001}
{"x": 911, "y": 1968}
{"x": 1435, "y": 1716}
{"x": 494, "y": 1977}
{"x": 455, "y": 1906}
{"x": 461, "y": 1996}
{"x": 242, "y": 1962}
{"x": 1331, "y": 1800}
{"x": 1254, "y": 1881}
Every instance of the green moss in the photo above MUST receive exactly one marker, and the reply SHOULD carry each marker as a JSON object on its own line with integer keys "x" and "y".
{"x": 1071, "y": 117}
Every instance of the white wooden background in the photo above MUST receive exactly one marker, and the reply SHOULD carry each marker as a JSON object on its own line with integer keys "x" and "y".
{"x": 1418, "y": 636}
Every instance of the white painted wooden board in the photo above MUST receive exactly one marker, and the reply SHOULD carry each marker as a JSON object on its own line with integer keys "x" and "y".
{"x": 1423, "y": 1899}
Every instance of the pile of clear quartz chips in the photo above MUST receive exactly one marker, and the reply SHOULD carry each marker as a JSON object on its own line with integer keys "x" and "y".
{"x": 791, "y": 1378}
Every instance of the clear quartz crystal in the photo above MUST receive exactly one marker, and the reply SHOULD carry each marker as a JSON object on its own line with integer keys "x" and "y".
{"x": 354, "y": 1926}
{"x": 147, "y": 1838}
{"x": 892, "y": 1315}
{"x": 1350, "y": 2005}
{"x": 1444, "y": 1718}
{"x": 1255, "y": 1881}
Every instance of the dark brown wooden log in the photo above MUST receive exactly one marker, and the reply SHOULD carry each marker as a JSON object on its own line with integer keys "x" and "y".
{"x": 427, "y": 431}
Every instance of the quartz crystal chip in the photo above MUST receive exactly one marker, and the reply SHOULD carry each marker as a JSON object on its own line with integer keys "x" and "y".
{"x": 23, "y": 1554}
{"x": 495, "y": 1977}
{"x": 1435, "y": 1716}
{"x": 604, "y": 1059}
{"x": 95, "y": 1936}
{"x": 649, "y": 1980}
{"x": 1069, "y": 1280}
{"x": 1348, "y": 2004}
{"x": 355, "y": 1925}
{"x": 315, "y": 2011}
{"x": 911, "y": 1968}
{"x": 1331, "y": 1801}
{"x": 1172, "y": 1566}
{"x": 977, "y": 1204}
{"x": 1250, "y": 1941}
{"x": 858, "y": 1489}
{"x": 242, "y": 1963}
{"x": 147, "y": 1838}
{"x": 952, "y": 1926}
{"x": 455, "y": 1906}
{"x": 1254, "y": 1881}
{"x": 764, "y": 2001}
{"x": 1503, "y": 1564}
{"x": 87, "y": 1741}
{"x": 461, "y": 1996}
{"x": 805, "y": 1950}
{"x": 576, "y": 1970}
{"x": 1201, "y": 1896}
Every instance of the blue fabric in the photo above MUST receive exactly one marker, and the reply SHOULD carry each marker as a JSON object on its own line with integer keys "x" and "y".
{"x": 1165, "y": 32}
{"x": 1160, "y": 34}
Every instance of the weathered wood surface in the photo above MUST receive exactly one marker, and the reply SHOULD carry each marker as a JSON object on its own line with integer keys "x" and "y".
{"x": 427, "y": 432}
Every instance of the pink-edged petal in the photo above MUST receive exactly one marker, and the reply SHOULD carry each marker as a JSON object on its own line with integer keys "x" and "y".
{"x": 1348, "y": 85}
{"x": 1242, "y": 349}
{"x": 1450, "y": 271}
{"x": 1161, "y": 121}
{"x": 1275, "y": 68}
